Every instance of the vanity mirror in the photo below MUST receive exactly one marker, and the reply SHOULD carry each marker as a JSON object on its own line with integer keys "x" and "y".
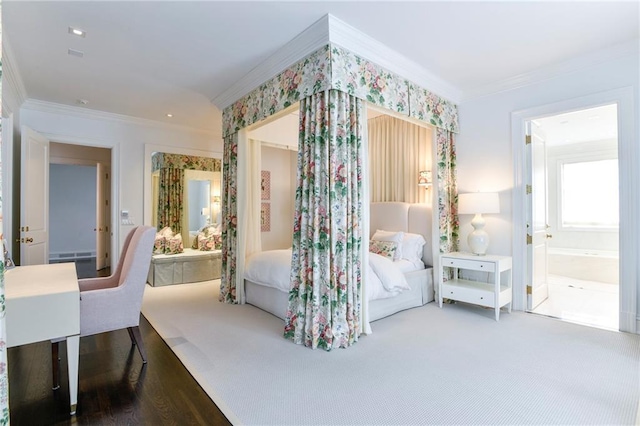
{"x": 185, "y": 193}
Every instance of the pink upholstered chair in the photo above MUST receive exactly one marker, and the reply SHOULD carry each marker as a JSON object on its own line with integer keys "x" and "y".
{"x": 113, "y": 303}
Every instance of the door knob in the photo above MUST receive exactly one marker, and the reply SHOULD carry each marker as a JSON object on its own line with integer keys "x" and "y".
{"x": 549, "y": 236}
{"x": 28, "y": 240}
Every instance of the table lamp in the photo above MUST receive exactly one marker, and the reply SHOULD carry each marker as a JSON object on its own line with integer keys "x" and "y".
{"x": 477, "y": 203}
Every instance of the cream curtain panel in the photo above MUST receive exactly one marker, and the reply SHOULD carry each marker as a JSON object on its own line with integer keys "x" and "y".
{"x": 398, "y": 150}
{"x": 325, "y": 300}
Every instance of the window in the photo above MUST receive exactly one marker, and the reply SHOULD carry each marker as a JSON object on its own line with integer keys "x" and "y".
{"x": 590, "y": 194}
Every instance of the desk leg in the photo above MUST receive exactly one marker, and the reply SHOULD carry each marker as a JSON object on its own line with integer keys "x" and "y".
{"x": 73, "y": 354}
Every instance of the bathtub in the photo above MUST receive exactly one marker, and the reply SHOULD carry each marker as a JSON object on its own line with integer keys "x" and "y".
{"x": 589, "y": 265}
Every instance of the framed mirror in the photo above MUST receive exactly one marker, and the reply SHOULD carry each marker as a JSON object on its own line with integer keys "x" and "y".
{"x": 182, "y": 190}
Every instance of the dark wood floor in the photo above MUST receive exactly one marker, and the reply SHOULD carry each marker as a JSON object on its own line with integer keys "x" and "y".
{"x": 115, "y": 388}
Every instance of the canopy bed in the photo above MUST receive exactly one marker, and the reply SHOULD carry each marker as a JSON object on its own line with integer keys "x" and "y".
{"x": 327, "y": 303}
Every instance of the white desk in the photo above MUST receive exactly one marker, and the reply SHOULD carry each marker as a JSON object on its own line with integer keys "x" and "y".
{"x": 43, "y": 303}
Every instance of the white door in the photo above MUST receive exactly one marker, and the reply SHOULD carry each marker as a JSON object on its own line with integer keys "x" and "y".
{"x": 34, "y": 198}
{"x": 537, "y": 224}
{"x": 103, "y": 216}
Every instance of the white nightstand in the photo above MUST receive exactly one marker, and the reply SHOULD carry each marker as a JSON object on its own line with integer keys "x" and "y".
{"x": 495, "y": 293}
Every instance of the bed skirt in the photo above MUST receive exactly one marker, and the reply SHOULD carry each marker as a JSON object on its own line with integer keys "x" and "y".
{"x": 276, "y": 302}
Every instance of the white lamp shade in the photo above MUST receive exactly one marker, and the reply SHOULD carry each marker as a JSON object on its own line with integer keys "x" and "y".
{"x": 478, "y": 202}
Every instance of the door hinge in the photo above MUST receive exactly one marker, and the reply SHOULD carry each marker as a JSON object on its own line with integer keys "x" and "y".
{"x": 106, "y": 255}
{"x": 106, "y": 229}
{"x": 106, "y": 202}
{"x": 527, "y": 139}
{"x": 529, "y": 189}
{"x": 106, "y": 175}
{"x": 529, "y": 240}
{"x": 529, "y": 289}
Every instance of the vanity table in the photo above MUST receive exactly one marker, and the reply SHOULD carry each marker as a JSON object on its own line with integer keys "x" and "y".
{"x": 43, "y": 303}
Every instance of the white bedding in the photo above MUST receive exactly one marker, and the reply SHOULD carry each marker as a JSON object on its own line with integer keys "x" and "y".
{"x": 385, "y": 277}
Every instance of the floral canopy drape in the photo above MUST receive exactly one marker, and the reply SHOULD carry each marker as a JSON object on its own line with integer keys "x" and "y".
{"x": 325, "y": 301}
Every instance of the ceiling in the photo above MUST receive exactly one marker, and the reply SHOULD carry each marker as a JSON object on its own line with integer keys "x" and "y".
{"x": 587, "y": 125}
{"x": 147, "y": 59}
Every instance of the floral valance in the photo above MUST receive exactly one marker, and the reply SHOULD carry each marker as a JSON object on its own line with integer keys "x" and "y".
{"x": 333, "y": 67}
{"x": 163, "y": 160}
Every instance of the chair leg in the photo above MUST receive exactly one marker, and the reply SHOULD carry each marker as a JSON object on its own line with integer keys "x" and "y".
{"x": 55, "y": 364}
{"x": 136, "y": 338}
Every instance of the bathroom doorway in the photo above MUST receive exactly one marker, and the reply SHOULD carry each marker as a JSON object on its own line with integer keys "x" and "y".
{"x": 575, "y": 193}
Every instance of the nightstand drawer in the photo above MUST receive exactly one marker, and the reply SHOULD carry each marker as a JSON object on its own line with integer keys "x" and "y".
{"x": 469, "y": 294}
{"x": 473, "y": 265}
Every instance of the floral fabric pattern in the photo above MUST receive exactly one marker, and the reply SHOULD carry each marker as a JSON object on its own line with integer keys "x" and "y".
{"x": 325, "y": 296}
{"x": 304, "y": 78}
{"x": 163, "y": 160}
{"x": 361, "y": 78}
{"x": 170, "y": 196}
{"x": 333, "y": 67}
{"x": 428, "y": 107}
{"x": 447, "y": 191}
{"x": 229, "y": 219}
{"x": 383, "y": 248}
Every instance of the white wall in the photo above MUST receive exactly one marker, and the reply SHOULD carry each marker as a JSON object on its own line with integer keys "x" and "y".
{"x": 484, "y": 145}
{"x": 127, "y": 138}
{"x": 72, "y": 208}
{"x": 281, "y": 163}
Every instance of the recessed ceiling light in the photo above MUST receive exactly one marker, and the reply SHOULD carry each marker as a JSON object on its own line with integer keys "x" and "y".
{"x": 77, "y": 31}
{"x": 82, "y": 101}
{"x": 169, "y": 115}
{"x": 77, "y": 53}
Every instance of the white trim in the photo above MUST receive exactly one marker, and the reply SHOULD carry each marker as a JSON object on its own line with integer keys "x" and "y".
{"x": 93, "y": 114}
{"x": 14, "y": 93}
{"x": 367, "y": 47}
{"x": 7, "y": 181}
{"x": 150, "y": 149}
{"x": 115, "y": 181}
{"x": 628, "y": 158}
{"x": 545, "y": 73}
{"x": 305, "y": 43}
{"x": 330, "y": 29}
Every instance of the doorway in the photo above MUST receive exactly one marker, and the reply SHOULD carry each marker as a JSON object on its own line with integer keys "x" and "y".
{"x": 575, "y": 199}
{"x": 80, "y": 208}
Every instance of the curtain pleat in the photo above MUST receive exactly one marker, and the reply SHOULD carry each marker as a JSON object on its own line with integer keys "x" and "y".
{"x": 398, "y": 151}
{"x": 447, "y": 191}
{"x": 170, "y": 197}
{"x": 229, "y": 205}
{"x": 325, "y": 296}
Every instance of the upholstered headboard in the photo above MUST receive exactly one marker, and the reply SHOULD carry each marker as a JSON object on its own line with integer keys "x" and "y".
{"x": 405, "y": 217}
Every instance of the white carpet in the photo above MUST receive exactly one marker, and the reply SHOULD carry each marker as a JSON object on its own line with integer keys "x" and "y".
{"x": 427, "y": 365}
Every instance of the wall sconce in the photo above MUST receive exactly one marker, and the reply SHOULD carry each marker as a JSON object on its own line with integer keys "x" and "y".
{"x": 476, "y": 204}
{"x": 424, "y": 178}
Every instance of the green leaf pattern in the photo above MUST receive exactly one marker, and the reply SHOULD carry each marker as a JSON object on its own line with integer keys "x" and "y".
{"x": 325, "y": 297}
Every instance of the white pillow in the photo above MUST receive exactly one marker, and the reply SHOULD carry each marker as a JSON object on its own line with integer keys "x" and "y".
{"x": 395, "y": 237}
{"x": 412, "y": 246}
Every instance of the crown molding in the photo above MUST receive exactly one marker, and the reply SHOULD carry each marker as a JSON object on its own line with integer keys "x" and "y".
{"x": 86, "y": 113}
{"x": 305, "y": 43}
{"x": 371, "y": 49}
{"x": 14, "y": 93}
{"x": 330, "y": 29}
{"x": 545, "y": 73}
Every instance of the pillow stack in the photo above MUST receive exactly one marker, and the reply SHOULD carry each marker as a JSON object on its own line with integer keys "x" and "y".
{"x": 398, "y": 245}
{"x": 167, "y": 242}
{"x": 209, "y": 238}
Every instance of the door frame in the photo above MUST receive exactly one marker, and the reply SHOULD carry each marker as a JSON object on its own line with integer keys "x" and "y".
{"x": 115, "y": 181}
{"x": 629, "y": 231}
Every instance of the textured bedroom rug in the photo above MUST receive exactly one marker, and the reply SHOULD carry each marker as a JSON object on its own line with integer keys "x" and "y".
{"x": 454, "y": 365}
